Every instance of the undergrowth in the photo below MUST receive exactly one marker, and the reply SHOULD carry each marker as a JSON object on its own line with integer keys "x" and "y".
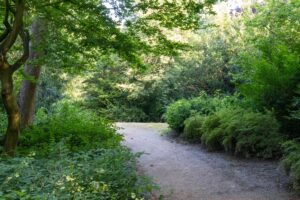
{"x": 291, "y": 161}
{"x": 70, "y": 153}
{"x": 220, "y": 123}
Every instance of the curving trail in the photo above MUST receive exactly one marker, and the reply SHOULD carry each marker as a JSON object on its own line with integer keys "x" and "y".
{"x": 189, "y": 172}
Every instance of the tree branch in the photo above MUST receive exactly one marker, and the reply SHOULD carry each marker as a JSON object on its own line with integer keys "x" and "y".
{"x": 17, "y": 25}
{"x": 5, "y": 22}
{"x": 24, "y": 34}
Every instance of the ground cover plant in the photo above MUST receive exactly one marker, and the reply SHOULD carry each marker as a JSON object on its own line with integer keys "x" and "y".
{"x": 70, "y": 153}
{"x": 232, "y": 128}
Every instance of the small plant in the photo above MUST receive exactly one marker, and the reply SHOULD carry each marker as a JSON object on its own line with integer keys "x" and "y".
{"x": 193, "y": 128}
{"x": 258, "y": 135}
{"x": 71, "y": 153}
{"x": 204, "y": 105}
{"x": 291, "y": 161}
{"x": 243, "y": 132}
{"x": 177, "y": 113}
{"x": 102, "y": 174}
{"x": 212, "y": 134}
{"x": 222, "y": 124}
{"x": 81, "y": 129}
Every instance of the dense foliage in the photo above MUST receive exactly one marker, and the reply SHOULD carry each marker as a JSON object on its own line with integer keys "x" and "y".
{"x": 242, "y": 132}
{"x": 124, "y": 94}
{"x": 270, "y": 61}
{"x": 94, "y": 174}
{"x": 80, "y": 130}
{"x": 226, "y": 127}
{"x": 204, "y": 104}
{"x": 177, "y": 113}
{"x": 193, "y": 128}
{"x": 71, "y": 153}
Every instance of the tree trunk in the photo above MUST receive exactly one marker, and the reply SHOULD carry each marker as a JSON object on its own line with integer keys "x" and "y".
{"x": 13, "y": 28}
{"x": 12, "y": 110}
{"x": 32, "y": 70}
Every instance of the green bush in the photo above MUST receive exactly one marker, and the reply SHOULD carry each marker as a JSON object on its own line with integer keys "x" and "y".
{"x": 221, "y": 123}
{"x": 243, "y": 132}
{"x": 212, "y": 135}
{"x": 177, "y": 113}
{"x": 102, "y": 174}
{"x": 70, "y": 153}
{"x": 81, "y": 129}
{"x": 258, "y": 135}
{"x": 269, "y": 62}
{"x": 291, "y": 161}
{"x": 193, "y": 128}
{"x": 204, "y": 105}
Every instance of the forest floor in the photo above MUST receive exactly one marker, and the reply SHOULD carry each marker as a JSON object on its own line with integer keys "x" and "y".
{"x": 189, "y": 172}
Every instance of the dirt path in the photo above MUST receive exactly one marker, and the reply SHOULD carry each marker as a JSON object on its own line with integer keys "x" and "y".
{"x": 189, "y": 172}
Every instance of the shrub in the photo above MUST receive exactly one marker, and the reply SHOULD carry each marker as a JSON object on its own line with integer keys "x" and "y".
{"x": 221, "y": 123}
{"x": 291, "y": 161}
{"x": 204, "y": 105}
{"x": 230, "y": 123}
{"x": 269, "y": 62}
{"x": 94, "y": 174}
{"x": 243, "y": 132}
{"x": 177, "y": 113}
{"x": 193, "y": 128}
{"x": 207, "y": 105}
{"x": 81, "y": 129}
{"x": 219, "y": 129}
{"x": 212, "y": 135}
{"x": 258, "y": 135}
{"x": 71, "y": 153}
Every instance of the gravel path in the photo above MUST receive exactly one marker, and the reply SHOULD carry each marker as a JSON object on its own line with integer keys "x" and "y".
{"x": 189, "y": 172}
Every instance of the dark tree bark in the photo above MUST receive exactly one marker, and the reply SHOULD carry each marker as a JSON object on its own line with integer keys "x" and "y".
{"x": 32, "y": 69}
{"x": 12, "y": 110}
{"x": 13, "y": 22}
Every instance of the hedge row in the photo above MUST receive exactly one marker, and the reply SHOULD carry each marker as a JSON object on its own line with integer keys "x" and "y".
{"x": 220, "y": 125}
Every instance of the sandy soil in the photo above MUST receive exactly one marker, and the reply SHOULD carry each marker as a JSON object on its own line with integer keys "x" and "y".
{"x": 189, "y": 172}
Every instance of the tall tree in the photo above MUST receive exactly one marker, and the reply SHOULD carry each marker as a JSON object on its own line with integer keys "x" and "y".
{"x": 83, "y": 30}
{"x": 13, "y": 23}
{"x": 32, "y": 71}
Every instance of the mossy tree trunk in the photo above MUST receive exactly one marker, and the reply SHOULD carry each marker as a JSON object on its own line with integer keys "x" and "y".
{"x": 13, "y": 23}
{"x": 32, "y": 70}
{"x": 12, "y": 110}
